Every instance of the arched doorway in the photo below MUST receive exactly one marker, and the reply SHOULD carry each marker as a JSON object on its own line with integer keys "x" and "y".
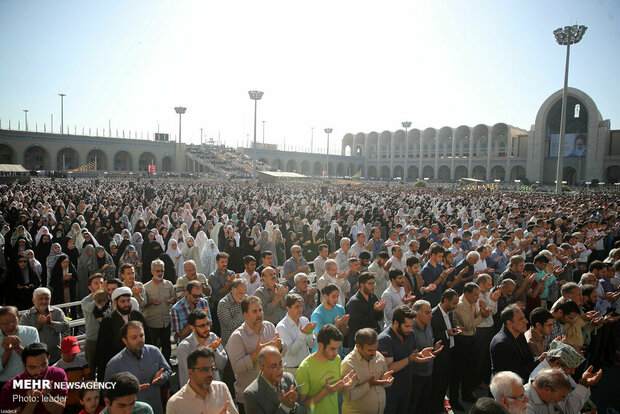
{"x": 122, "y": 161}
{"x": 399, "y": 172}
{"x": 36, "y": 157}
{"x": 612, "y": 174}
{"x": 67, "y": 159}
{"x": 444, "y": 172}
{"x": 412, "y": 172}
{"x": 166, "y": 163}
{"x": 569, "y": 175}
{"x": 372, "y": 171}
{"x": 146, "y": 159}
{"x": 479, "y": 173}
{"x": 428, "y": 172}
{"x": 317, "y": 168}
{"x": 291, "y": 166}
{"x": 385, "y": 172}
{"x": 7, "y": 155}
{"x": 460, "y": 172}
{"x": 498, "y": 173}
{"x": 277, "y": 164}
{"x": 517, "y": 173}
{"x": 99, "y": 158}
{"x": 340, "y": 170}
{"x": 305, "y": 167}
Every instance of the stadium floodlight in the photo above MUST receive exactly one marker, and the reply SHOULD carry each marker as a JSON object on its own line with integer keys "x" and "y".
{"x": 569, "y": 35}
{"x": 179, "y": 110}
{"x": 255, "y": 96}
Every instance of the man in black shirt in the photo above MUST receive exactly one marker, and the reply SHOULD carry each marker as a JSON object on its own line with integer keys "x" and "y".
{"x": 365, "y": 309}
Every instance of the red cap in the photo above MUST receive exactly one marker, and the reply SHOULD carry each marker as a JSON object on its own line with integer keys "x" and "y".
{"x": 70, "y": 345}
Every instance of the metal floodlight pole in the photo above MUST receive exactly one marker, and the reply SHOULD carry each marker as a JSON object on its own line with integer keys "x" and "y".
{"x": 263, "y": 134}
{"x": 179, "y": 110}
{"x": 255, "y": 96}
{"x": 569, "y": 35}
{"x": 406, "y": 125}
{"x": 327, "y": 131}
{"x": 62, "y": 112}
{"x": 26, "y": 117}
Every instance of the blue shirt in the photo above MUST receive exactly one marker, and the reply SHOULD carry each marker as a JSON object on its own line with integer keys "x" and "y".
{"x": 423, "y": 339}
{"x": 144, "y": 369}
{"x": 28, "y": 335}
{"x": 500, "y": 267}
{"x": 377, "y": 247}
{"x": 430, "y": 273}
{"x": 323, "y": 317}
{"x": 392, "y": 346}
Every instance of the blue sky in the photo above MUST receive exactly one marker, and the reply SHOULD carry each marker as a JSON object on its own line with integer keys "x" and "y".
{"x": 350, "y": 65}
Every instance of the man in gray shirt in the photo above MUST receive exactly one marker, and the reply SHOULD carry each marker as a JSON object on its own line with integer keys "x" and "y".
{"x": 219, "y": 282}
{"x": 296, "y": 264}
{"x": 422, "y": 373}
{"x": 95, "y": 283}
{"x": 50, "y": 321}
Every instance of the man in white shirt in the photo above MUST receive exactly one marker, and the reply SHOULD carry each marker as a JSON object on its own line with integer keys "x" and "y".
{"x": 394, "y": 296}
{"x": 296, "y": 332}
{"x": 201, "y": 393}
{"x": 319, "y": 262}
{"x": 413, "y": 246}
{"x": 485, "y": 331}
{"x": 344, "y": 254}
{"x": 339, "y": 279}
{"x": 396, "y": 262}
{"x": 250, "y": 275}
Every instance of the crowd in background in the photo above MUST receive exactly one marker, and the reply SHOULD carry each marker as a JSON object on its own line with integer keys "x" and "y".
{"x": 285, "y": 296}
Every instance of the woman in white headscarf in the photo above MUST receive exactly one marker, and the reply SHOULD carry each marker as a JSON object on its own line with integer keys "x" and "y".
{"x": 130, "y": 256}
{"x": 136, "y": 241}
{"x": 43, "y": 230}
{"x": 177, "y": 256}
{"x": 50, "y": 261}
{"x": 215, "y": 233}
{"x": 165, "y": 220}
{"x": 193, "y": 252}
{"x": 159, "y": 238}
{"x": 200, "y": 243}
{"x": 208, "y": 257}
{"x": 75, "y": 231}
{"x": 34, "y": 263}
{"x": 356, "y": 229}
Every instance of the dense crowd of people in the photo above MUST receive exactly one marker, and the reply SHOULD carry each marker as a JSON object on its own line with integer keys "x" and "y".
{"x": 293, "y": 298}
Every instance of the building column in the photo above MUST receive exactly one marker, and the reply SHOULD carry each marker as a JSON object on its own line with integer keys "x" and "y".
{"x": 489, "y": 153}
{"x": 471, "y": 151}
{"x": 421, "y": 155}
{"x": 392, "y": 155}
{"x": 453, "y": 154}
{"x": 509, "y": 144}
{"x": 436, "y": 173}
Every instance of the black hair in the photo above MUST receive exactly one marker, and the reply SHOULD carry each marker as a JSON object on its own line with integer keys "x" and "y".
{"x": 329, "y": 333}
{"x": 200, "y": 352}
{"x": 196, "y": 314}
{"x": 125, "y": 384}
{"x": 34, "y": 349}
{"x": 540, "y": 315}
